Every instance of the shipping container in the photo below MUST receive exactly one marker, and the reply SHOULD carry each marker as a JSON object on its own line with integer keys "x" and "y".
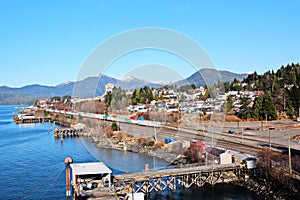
{"x": 168, "y": 140}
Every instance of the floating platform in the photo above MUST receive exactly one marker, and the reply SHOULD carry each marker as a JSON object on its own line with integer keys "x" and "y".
{"x": 31, "y": 120}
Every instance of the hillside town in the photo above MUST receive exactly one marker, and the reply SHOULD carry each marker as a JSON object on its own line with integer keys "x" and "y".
{"x": 195, "y": 101}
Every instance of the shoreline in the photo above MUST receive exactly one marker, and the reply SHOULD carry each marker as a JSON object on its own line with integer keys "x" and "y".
{"x": 103, "y": 142}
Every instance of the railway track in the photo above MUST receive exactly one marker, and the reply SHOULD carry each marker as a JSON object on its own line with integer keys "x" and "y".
{"x": 223, "y": 140}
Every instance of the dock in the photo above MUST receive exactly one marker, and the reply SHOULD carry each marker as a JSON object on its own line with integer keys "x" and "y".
{"x": 95, "y": 180}
{"x": 67, "y": 132}
{"x": 185, "y": 177}
{"x": 32, "y": 120}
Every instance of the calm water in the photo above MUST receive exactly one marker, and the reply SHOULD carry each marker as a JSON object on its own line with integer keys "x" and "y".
{"x": 32, "y": 164}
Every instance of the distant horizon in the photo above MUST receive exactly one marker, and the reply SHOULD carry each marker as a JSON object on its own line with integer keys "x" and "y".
{"x": 120, "y": 78}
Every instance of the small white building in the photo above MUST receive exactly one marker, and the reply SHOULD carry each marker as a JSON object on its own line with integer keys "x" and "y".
{"x": 225, "y": 158}
{"x": 80, "y": 170}
{"x": 250, "y": 162}
{"x": 109, "y": 88}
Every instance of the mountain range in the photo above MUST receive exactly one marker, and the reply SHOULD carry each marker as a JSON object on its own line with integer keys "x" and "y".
{"x": 94, "y": 86}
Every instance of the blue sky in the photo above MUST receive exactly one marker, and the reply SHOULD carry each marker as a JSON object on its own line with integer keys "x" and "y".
{"x": 46, "y": 42}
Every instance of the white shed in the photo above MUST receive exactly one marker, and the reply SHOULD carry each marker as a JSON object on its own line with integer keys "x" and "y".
{"x": 225, "y": 158}
{"x": 93, "y": 168}
{"x": 250, "y": 162}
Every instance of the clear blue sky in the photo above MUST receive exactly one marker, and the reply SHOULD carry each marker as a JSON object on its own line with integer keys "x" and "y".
{"x": 46, "y": 42}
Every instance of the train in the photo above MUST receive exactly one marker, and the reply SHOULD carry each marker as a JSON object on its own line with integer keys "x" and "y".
{"x": 112, "y": 118}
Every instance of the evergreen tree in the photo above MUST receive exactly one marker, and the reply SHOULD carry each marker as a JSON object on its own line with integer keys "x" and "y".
{"x": 269, "y": 107}
{"x": 290, "y": 111}
{"x": 257, "y": 107}
{"x": 107, "y": 99}
{"x": 236, "y": 85}
{"x": 119, "y": 99}
{"x": 143, "y": 95}
{"x": 294, "y": 99}
{"x": 244, "y": 111}
{"x": 229, "y": 104}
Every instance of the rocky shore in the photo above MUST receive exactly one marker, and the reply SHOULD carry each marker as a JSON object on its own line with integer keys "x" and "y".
{"x": 102, "y": 141}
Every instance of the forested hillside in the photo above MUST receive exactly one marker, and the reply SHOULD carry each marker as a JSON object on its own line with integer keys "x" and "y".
{"x": 283, "y": 85}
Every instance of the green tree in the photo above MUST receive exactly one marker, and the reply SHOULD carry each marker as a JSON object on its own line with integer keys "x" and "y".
{"x": 269, "y": 107}
{"x": 294, "y": 98}
{"x": 115, "y": 126}
{"x": 244, "y": 111}
{"x": 229, "y": 104}
{"x": 56, "y": 98}
{"x": 236, "y": 85}
{"x": 257, "y": 107}
{"x": 119, "y": 99}
{"x": 226, "y": 86}
{"x": 143, "y": 95}
{"x": 155, "y": 97}
{"x": 290, "y": 111}
{"x": 107, "y": 99}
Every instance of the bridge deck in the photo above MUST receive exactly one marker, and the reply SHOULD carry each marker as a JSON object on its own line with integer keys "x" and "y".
{"x": 142, "y": 176}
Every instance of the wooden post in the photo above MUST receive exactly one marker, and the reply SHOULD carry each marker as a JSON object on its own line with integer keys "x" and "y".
{"x": 68, "y": 160}
{"x": 68, "y": 190}
{"x": 269, "y": 139}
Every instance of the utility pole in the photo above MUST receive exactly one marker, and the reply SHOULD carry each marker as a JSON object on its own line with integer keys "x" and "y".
{"x": 290, "y": 158}
{"x": 242, "y": 133}
{"x": 154, "y": 131}
{"x": 212, "y": 134}
{"x": 202, "y": 120}
{"x": 178, "y": 118}
{"x": 269, "y": 139}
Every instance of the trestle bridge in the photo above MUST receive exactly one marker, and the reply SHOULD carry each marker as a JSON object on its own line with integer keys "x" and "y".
{"x": 186, "y": 177}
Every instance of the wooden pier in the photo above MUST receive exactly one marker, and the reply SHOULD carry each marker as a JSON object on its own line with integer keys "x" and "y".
{"x": 179, "y": 177}
{"x": 66, "y": 132}
{"x": 33, "y": 120}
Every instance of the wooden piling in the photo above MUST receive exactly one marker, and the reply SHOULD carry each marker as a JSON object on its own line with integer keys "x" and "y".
{"x": 68, "y": 190}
